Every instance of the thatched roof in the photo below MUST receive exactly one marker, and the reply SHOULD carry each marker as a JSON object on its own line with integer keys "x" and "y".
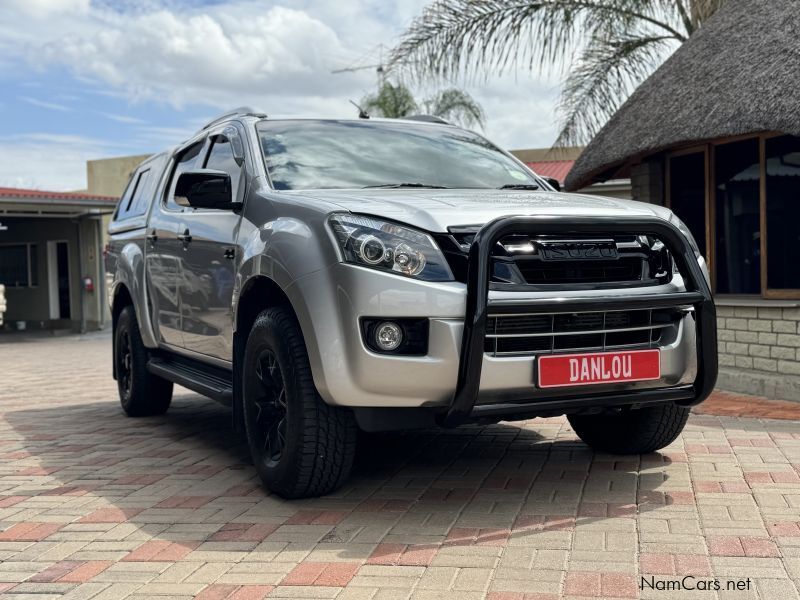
{"x": 740, "y": 73}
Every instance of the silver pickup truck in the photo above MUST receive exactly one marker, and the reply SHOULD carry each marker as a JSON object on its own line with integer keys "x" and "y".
{"x": 321, "y": 276}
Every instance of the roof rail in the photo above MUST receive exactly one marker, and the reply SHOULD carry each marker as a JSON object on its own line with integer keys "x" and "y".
{"x": 242, "y": 111}
{"x": 427, "y": 119}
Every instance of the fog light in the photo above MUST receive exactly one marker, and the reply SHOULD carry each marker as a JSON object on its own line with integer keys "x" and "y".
{"x": 388, "y": 336}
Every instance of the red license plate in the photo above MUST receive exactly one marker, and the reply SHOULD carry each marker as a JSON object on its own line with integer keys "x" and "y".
{"x": 598, "y": 367}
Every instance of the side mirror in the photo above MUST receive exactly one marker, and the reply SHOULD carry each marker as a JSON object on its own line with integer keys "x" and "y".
{"x": 553, "y": 183}
{"x": 204, "y": 188}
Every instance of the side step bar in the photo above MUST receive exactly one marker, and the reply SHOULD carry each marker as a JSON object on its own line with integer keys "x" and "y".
{"x": 216, "y": 384}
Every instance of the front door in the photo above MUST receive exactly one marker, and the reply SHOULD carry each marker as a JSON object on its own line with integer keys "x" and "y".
{"x": 165, "y": 254}
{"x": 209, "y": 259}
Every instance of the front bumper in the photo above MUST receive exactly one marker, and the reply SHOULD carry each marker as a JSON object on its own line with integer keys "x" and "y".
{"x": 456, "y": 377}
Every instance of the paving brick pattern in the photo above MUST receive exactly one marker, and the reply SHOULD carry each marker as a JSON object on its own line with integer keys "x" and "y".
{"x": 97, "y": 505}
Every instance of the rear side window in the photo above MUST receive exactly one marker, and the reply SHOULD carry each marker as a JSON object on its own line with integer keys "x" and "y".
{"x": 135, "y": 199}
{"x": 185, "y": 161}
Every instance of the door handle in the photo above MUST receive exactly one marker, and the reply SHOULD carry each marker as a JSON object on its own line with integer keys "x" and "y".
{"x": 230, "y": 253}
{"x": 152, "y": 237}
{"x": 185, "y": 237}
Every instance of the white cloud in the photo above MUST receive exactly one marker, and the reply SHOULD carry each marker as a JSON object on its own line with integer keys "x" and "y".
{"x": 49, "y": 162}
{"x": 276, "y": 58}
{"x": 48, "y": 8}
{"x": 216, "y": 57}
{"x": 123, "y": 119}
{"x": 45, "y": 104}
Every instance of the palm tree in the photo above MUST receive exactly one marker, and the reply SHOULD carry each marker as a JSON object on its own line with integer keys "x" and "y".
{"x": 396, "y": 101}
{"x": 391, "y": 101}
{"x": 456, "y": 106}
{"x": 605, "y": 47}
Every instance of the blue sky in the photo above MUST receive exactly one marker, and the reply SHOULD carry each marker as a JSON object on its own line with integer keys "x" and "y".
{"x": 83, "y": 79}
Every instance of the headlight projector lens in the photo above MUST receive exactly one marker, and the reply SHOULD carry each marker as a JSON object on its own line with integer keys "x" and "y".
{"x": 371, "y": 250}
{"x": 407, "y": 260}
{"x": 388, "y": 336}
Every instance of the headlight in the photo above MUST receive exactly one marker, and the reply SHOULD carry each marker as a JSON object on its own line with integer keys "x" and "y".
{"x": 687, "y": 234}
{"x": 387, "y": 246}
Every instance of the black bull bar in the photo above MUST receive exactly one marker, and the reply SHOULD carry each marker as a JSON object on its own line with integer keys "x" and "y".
{"x": 697, "y": 294}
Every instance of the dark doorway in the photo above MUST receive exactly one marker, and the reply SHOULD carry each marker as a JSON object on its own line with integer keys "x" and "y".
{"x": 687, "y": 193}
{"x": 58, "y": 279}
{"x": 62, "y": 262}
{"x": 738, "y": 227}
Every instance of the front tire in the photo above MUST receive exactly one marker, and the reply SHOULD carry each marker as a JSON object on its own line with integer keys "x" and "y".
{"x": 632, "y": 431}
{"x": 301, "y": 446}
{"x": 141, "y": 393}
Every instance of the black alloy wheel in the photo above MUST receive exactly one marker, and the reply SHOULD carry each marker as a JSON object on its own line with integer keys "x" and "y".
{"x": 300, "y": 446}
{"x": 141, "y": 393}
{"x": 124, "y": 363}
{"x": 270, "y": 407}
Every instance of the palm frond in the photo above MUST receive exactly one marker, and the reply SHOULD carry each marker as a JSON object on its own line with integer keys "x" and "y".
{"x": 606, "y": 73}
{"x": 700, "y": 10}
{"x": 457, "y": 106}
{"x": 455, "y": 37}
{"x": 618, "y": 43}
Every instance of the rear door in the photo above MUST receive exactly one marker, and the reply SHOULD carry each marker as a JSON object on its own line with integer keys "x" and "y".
{"x": 209, "y": 257}
{"x": 165, "y": 254}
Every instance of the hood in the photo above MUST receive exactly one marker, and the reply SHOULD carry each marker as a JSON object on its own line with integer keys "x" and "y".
{"x": 436, "y": 210}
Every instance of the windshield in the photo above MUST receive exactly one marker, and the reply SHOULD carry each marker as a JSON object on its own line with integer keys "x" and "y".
{"x": 308, "y": 154}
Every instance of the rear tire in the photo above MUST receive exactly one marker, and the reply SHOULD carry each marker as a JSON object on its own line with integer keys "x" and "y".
{"x": 301, "y": 446}
{"x": 636, "y": 431}
{"x": 141, "y": 393}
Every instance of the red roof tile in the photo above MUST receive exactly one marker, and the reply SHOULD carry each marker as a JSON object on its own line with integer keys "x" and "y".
{"x": 6, "y": 192}
{"x": 557, "y": 169}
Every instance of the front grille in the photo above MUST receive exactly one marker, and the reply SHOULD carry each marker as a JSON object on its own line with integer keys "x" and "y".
{"x": 542, "y": 333}
{"x": 620, "y": 270}
{"x": 547, "y": 262}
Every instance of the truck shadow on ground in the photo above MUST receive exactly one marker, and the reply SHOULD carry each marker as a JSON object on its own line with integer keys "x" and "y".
{"x": 483, "y": 485}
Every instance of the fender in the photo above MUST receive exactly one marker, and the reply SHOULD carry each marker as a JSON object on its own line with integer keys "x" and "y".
{"x": 130, "y": 272}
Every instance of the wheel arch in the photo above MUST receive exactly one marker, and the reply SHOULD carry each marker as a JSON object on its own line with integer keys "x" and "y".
{"x": 258, "y": 293}
{"x": 120, "y": 299}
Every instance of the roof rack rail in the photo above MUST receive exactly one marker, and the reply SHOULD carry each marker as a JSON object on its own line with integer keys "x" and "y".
{"x": 242, "y": 111}
{"x": 427, "y": 119}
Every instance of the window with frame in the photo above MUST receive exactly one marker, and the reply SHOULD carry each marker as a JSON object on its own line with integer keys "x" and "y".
{"x": 782, "y": 211}
{"x": 185, "y": 161}
{"x": 737, "y": 181}
{"x": 687, "y": 193}
{"x": 134, "y": 204}
{"x": 749, "y": 191}
{"x": 19, "y": 265}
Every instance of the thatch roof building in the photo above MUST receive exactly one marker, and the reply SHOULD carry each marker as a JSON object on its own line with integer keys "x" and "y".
{"x": 739, "y": 74}
{"x": 714, "y": 134}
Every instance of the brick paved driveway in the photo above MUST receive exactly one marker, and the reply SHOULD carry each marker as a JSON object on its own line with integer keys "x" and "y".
{"x": 97, "y": 505}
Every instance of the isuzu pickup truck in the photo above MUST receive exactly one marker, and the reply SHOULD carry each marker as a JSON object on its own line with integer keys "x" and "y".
{"x": 321, "y": 276}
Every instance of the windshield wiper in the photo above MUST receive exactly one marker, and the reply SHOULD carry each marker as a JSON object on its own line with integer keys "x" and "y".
{"x": 519, "y": 186}
{"x": 407, "y": 185}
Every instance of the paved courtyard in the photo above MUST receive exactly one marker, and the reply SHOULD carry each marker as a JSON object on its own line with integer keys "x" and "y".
{"x": 97, "y": 505}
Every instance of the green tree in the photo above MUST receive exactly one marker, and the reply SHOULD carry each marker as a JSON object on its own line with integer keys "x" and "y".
{"x": 456, "y": 106}
{"x": 604, "y": 48}
{"x": 396, "y": 101}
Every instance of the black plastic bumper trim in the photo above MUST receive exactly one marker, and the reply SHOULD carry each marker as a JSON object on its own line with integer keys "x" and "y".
{"x": 516, "y": 410}
{"x": 697, "y": 294}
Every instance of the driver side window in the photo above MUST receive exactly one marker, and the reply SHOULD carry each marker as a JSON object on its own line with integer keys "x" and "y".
{"x": 185, "y": 161}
